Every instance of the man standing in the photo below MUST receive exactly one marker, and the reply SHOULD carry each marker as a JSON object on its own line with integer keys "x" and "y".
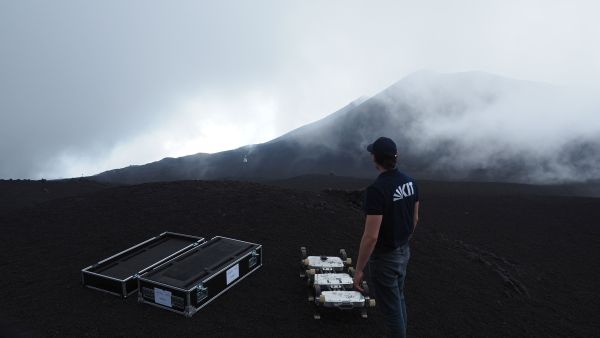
{"x": 392, "y": 212}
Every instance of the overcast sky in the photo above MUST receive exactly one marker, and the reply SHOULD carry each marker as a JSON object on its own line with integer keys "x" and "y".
{"x": 87, "y": 86}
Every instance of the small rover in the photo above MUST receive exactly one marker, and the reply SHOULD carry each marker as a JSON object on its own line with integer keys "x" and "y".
{"x": 330, "y": 283}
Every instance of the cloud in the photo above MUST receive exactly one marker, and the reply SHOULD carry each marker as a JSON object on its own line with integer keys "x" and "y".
{"x": 201, "y": 126}
{"x": 478, "y": 121}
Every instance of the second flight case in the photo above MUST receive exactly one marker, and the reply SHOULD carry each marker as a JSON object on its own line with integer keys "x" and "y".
{"x": 190, "y": 281}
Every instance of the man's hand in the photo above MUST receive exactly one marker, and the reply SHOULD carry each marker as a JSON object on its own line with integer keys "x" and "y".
{"x": 358, "y": 278}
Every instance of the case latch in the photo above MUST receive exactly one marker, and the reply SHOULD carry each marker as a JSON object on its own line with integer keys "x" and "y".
{"x": 201, "y": 292}
{"x": 253, "y": 259}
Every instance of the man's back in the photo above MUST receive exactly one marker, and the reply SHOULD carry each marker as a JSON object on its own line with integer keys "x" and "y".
{"x": 393, "y": 195}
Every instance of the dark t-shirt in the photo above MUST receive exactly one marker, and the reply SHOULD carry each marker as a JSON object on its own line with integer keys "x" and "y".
{"x": 393, "y": 195}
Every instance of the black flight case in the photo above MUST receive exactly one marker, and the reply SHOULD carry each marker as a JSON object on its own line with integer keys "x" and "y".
{"x": 118, "y": 274}
{"x": 190, "y": 281}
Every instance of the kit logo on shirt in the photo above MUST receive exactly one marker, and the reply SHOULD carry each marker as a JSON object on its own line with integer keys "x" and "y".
{"x": 403, "y": 191}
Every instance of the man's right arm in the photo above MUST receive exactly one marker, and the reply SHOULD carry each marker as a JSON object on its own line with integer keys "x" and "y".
{"x": 416, "y": 216}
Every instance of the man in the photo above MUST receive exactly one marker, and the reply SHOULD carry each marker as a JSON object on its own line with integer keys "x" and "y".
{"x": 392, "y": 212}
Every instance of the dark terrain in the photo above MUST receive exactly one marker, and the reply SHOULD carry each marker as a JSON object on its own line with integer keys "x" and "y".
{"x": 488, "y": 260}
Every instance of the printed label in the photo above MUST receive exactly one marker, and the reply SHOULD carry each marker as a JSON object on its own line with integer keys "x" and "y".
{"x": 233, "y": 273}
{"x": 162, "y": 297}
{"x": 403, "y": 191}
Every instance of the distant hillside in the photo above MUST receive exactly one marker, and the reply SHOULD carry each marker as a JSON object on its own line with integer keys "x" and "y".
{"x": 465, "y": 126}
{"x": 357, "y": 185}
{"x": 16, "y": 194}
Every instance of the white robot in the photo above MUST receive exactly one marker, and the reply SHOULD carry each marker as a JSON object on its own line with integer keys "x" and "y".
{"x": 330, "y": 283}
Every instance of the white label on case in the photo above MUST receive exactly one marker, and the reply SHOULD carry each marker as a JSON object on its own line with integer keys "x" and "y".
{"x": 233, "y": 273}
{"x": 162, "y": 297}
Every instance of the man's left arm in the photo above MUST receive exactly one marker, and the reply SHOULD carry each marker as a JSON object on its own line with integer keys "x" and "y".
{"x": 367, "y": 244}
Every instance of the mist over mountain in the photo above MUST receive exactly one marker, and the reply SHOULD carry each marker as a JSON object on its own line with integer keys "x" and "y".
{"x": 461, "y": 126}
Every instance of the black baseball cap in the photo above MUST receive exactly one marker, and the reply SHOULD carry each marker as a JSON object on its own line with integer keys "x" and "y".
{"x": 383, "y": 146}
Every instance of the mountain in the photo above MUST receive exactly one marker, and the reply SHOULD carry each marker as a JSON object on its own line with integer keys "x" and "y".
{"x": 461, "y": 126}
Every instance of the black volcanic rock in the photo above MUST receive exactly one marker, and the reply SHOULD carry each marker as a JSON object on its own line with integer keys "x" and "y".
{"x": 488, "y": 260}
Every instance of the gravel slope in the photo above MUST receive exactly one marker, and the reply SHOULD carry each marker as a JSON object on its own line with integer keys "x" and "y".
{"x": 483, "y": 265}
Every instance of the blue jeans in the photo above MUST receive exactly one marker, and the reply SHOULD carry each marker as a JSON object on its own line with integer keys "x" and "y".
{"x": 387, "y": 273}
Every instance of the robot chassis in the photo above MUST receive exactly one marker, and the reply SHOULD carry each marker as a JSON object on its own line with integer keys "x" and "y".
{"x": 330, "y": 283}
